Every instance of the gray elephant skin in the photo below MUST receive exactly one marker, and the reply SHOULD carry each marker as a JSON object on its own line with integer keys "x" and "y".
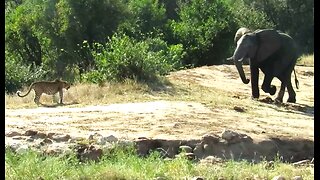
{"x": 275, "y": 53}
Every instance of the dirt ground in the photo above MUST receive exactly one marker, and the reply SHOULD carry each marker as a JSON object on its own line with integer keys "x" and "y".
{"x": 180, "y": 120}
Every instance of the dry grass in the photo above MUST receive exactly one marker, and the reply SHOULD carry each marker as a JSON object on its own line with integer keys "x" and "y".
{"x": 306, "y": 60}
{"x": 130, "y": 91}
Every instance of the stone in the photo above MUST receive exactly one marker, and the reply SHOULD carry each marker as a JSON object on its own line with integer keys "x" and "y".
{"x": 239, "y": 109}
{"x": 47, "y": 141}
{"x": 233, "y": 137}
{"x": 186, "y": 149}
{"x": 50, "y": 135}
{"x": 14, "y": 146}
{"x": 22, "y": 149}
{"x": 61, "y": 138}
{"x": 211, "y": 160}
{"x": 297, "y": 178}
{"x": 210, "y": 138}
{"x": 30, "y": 133}
{"x": 30, "y": 139}
{"x": 13, "y": 133}
{"x": 19, "y": 138}
{"x": 94, "y": 136}
{"x": 269, "y": 165}
{"x": 229, "y": 135}
{"x": 198, "y": 150}
{"x": 108, "y": 139}
{"x": 111, "y": 139}
{"x": 41, "y": 135}
{"x": 189, "y": 156}
{"x": 89, "y": 153}
{"x": 197, "y": 178}
{"x": 163, "y": 153}
{"x": 278, "y": 178}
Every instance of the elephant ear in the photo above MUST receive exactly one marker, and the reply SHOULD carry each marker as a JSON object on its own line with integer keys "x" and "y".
{"x": 269, "y": 41}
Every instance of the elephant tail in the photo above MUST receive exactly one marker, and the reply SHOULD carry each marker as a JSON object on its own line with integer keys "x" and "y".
{"x": 296, "y": 79}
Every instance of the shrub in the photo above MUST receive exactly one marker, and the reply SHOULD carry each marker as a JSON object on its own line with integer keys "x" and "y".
{"x": 18, "y": 74}
{"x": 124, "y": 57}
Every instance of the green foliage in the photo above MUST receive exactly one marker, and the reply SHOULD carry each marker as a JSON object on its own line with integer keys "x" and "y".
{"x": 249, "y": 17}
{"x": 18, "y": 74}
{"x": 283, "y": 13}
{"x": 124, "y": 57}
{"x": 203, "y": 29}
{"x": 48, "y": 34}
{"x": 124, "y": 163}
{"x": 148, "y": 18}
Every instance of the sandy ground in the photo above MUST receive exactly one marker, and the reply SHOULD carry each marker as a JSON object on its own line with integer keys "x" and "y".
{"x": 179, "y": 120}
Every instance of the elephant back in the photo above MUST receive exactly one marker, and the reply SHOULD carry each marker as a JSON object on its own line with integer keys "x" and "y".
{"x": 268, "y": 42}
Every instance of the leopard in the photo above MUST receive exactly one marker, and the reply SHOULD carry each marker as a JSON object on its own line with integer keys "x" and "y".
{"x": 47, "y": 87}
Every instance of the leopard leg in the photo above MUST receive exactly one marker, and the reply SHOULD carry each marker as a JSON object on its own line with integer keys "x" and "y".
{"x": 61, "y": 96}
{"x": 37, "y": 98}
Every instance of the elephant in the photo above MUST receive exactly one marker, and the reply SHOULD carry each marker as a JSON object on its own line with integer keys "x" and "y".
{"x": 275, "y": 54}
{"x": 240, "y": 32}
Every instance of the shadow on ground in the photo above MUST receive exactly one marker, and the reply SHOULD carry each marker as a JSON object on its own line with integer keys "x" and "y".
{"x": 290, "y": 107}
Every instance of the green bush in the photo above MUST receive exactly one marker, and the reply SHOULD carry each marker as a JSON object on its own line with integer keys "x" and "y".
{"x": 204, "y": 30}
{"x": 18, "y": 74}
{"x": 126, "y": 58}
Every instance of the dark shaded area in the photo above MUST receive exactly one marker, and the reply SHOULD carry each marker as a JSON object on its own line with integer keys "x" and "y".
{"x": 290, "y": 107}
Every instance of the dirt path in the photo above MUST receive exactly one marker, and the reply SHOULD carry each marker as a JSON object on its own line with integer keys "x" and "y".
{"x": 178, "y": 120}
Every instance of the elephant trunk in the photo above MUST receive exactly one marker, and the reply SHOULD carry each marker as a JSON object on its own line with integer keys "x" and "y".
{"x": 241, "y": 72}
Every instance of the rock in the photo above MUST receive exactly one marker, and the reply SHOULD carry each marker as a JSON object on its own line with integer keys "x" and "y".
{"x": 186, "y": 149}
{"x": 269, "y": 165}
{"x": 207, "y": 148}
{"x": 297, "y": 178}
{"x": 111, "y": 139}
{"x": 301, "y": 163}
{"x": 19, "y": 138}
{"x": 234, "y": 137}
{"x": 14, "y": 146}
{"x": 198, "y": 150}
{"x": 88, "y": 153}
{"x": 13, "y": 133}
{"x": 30, "y": 139}
{"x": 210, "y": 138}
{"x": 278, "y": 178}
{"x": 197, "y": 178}
{"x": 163, "y": 153}
{"x": 94, "y": 136}
{"x": 160, "y": 178}
{"x": 189, "y": 156}
{"x": 239, "y": 109}
{"x": 108, "y": 139}
{"x": 41, "y": 135}
{"x": 22, "y": 149}
{"x": 125, "y": 143}
{"x": 30, "y": 133}
{"x": 46, "y": 141}
{"x": 50, "y": 135}
{"x": 61, "y": 138}
{"x": 229, "y": 135}
{"x": 211, "y": 160}
{"x": 144, "y": 146}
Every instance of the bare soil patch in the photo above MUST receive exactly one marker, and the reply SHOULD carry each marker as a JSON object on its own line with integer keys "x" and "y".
{"x": 182, "y": 119}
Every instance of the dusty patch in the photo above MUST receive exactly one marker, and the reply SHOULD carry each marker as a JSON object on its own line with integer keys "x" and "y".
{"x": 183, "y": 119}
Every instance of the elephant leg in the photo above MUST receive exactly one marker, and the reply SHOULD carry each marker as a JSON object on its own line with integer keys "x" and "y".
{"x": 279, "y": 98}
{"x": 285, "y": 80}
{"x": 266, "y": 85}
{"x": 292, "y": 94}
{"x": 254, "y": 81}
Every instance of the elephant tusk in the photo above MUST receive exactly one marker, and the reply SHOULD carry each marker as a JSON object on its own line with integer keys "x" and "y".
{"x": 240, "y": 60}
{"x": 230, "y": 59}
